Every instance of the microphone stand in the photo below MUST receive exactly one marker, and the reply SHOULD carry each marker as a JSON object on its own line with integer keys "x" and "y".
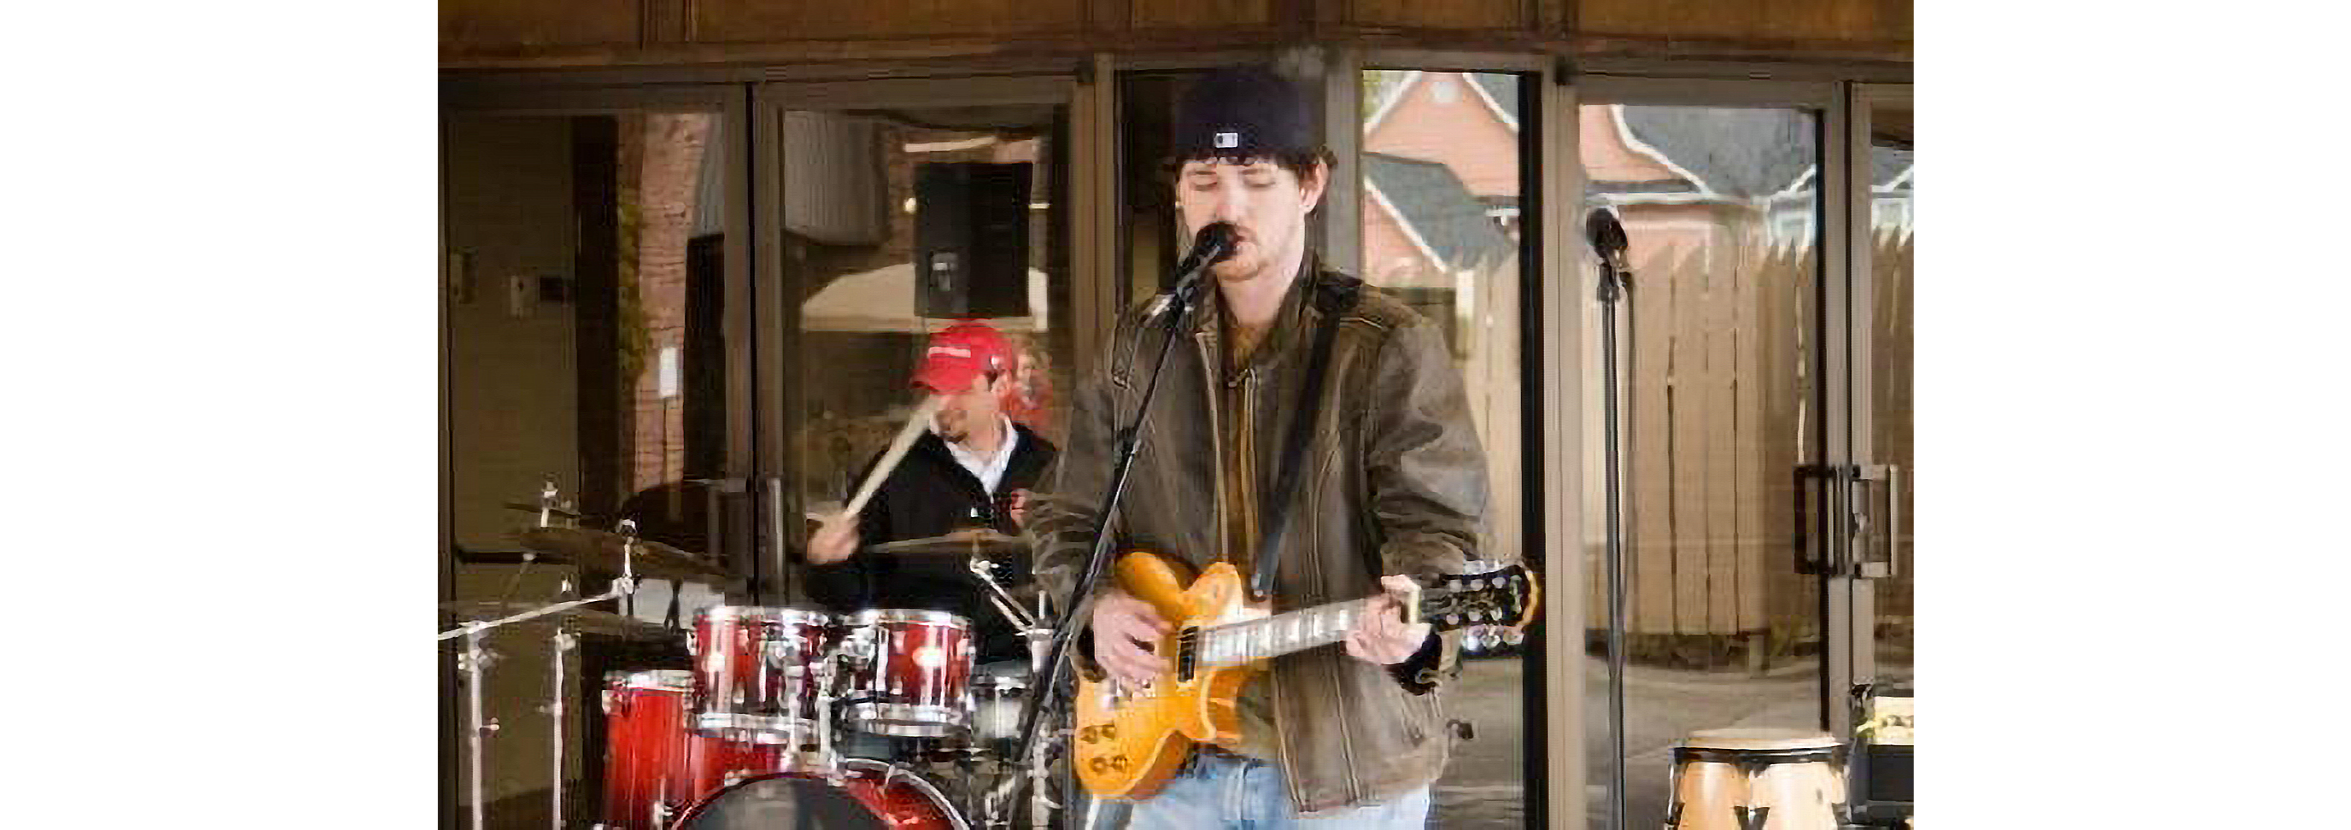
{"x": 1614, "y": 284}
{"x": 1180, "y": 301}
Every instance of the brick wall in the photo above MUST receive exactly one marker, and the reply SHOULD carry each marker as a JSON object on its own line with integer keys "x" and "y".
{"x": 669, "y": 149}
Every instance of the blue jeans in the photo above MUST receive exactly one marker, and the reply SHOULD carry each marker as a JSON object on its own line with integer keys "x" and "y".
{"x": 1219, "y": 791}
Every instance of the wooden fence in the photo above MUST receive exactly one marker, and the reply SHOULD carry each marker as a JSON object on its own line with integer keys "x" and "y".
{"x": 1720, "y": 376}
{"x": 1721, "y": 395}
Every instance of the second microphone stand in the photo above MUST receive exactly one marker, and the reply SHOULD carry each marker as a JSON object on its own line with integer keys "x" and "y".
{"x": 1615, "y": 282}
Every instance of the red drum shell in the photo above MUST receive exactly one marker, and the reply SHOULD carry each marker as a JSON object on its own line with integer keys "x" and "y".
{"x": 755, "y": 672}
{"x": 652, "y": 760}
{"x": 916, "y": 678}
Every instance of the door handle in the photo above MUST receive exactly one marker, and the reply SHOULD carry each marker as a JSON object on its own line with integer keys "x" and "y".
{"x": 1808, "y": 477}
{"x": 1889, "y": 480}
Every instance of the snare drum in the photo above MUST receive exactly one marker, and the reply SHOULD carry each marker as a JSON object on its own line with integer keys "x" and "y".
{"x": 996, "y": 701}
{"x": 653, "y": 766}
{"x": 1758, "y": 779}
{"x": 755, "y": 673}
{"x": 907, "y": 673}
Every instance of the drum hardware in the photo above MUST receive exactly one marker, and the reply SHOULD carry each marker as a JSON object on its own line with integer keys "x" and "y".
{"x": 579, "y": 620}
{"x": 909, "y": 672}
{"x": 1002, "y": 599}
{"x": 475, "y": 661}
{"x": 564, "y": 642}
{"x": 996, "y": 799}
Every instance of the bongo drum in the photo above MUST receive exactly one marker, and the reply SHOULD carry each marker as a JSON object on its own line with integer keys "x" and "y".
{"x": 1758, "y": 779}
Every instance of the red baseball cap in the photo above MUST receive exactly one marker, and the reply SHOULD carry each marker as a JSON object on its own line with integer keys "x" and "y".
{"x": 962, "y": 352}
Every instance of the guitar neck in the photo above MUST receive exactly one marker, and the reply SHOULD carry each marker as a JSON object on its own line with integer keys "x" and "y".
{"x": 1234, "y": 644}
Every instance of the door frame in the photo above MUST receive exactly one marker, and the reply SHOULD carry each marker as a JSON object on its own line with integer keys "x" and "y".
{"x": 1835, "y": 395}
{"x": 1859, "y": 594}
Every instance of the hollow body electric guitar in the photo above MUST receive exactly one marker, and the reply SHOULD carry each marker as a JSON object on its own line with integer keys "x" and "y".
{"x": 1131, "y": 741}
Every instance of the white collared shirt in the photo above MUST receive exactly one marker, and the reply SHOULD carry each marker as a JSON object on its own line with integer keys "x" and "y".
{"x": 990, "y": 471}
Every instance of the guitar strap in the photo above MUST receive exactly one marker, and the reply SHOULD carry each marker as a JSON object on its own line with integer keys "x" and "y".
{"x": 1333, "y": 297}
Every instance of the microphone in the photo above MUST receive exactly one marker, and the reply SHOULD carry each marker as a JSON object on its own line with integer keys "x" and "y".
{"x": 1213, "y": 244}
{"x": 1607, "y": 238}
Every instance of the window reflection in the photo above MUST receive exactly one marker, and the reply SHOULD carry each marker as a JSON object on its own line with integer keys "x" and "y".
{"x": 584, "y": 319}
{"x": 1721, "y": 208}
{"x": 850, "y": 217}
{"x": 1893, "y": 183}
{"x": 1440, "y": 210}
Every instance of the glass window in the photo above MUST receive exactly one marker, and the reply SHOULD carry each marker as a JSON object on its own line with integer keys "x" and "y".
{"x": 583, "y": 317}
{"x": 853, "y": 200}
{"x": 1892, "y": 188}
{"x": 1721, "y": 353}
{"x": 1441, "y": 191}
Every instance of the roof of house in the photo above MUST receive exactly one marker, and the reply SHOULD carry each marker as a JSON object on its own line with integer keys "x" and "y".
{"x": 1735, "y": 152}
{"x": 1888, "y": 163}
{"x": 1438, "y": 207}
{"x": 1503, "y": 88}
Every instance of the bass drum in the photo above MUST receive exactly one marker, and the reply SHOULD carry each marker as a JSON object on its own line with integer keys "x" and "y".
{"x": 876, "y": 796}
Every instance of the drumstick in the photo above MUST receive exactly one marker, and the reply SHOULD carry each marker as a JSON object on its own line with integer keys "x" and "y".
{"x": 890, "y": 457}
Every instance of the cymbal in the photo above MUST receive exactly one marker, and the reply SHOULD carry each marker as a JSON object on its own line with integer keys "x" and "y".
{"x": 552, "y": 512}
{"x": 583, "y": 619}
{"x": 967, "y": 542}
{"x": 603, "y": 550}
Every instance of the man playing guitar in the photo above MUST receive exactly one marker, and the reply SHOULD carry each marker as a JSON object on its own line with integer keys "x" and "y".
{"x": 1390, "y": 488}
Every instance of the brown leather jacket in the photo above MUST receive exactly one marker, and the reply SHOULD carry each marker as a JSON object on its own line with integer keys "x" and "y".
{"x": 1396, "y": 484}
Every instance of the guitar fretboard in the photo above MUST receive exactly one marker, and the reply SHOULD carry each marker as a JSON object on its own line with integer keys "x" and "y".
{"x": 1233, "y": 644}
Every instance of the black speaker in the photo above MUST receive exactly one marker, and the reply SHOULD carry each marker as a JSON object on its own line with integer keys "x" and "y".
{"x": 971, "y": 239}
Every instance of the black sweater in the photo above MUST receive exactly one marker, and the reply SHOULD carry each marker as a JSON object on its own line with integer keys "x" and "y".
{"x": 929, "y": 494}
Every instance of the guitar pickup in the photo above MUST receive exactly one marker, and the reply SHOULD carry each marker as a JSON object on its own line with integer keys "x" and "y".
{"x": 1187, "y": 653}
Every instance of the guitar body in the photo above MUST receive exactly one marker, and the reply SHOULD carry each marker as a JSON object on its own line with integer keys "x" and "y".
{"x": 1130, "y": 742}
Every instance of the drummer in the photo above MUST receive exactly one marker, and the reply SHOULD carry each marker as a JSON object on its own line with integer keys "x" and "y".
{"x": 971, "y": 469}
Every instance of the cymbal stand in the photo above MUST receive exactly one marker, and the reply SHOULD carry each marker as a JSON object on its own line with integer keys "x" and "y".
{"x": 826, "y": 758}
{"x": 564, "y": 641}
{"x": 1034, "y": 769}
{"x": 476, "y": 658}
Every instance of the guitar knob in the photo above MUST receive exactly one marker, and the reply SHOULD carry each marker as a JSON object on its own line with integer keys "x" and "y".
{"x": 1109, "y": 731}
{"x": 1513, "y": 636}
{"x": 1099, "y": 765}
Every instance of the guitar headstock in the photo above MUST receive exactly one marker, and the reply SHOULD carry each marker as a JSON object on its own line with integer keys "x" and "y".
{"x": 1498, "y": 602}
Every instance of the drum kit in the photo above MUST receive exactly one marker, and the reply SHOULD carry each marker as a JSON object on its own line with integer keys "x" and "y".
{"x": 777, "y": 717}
